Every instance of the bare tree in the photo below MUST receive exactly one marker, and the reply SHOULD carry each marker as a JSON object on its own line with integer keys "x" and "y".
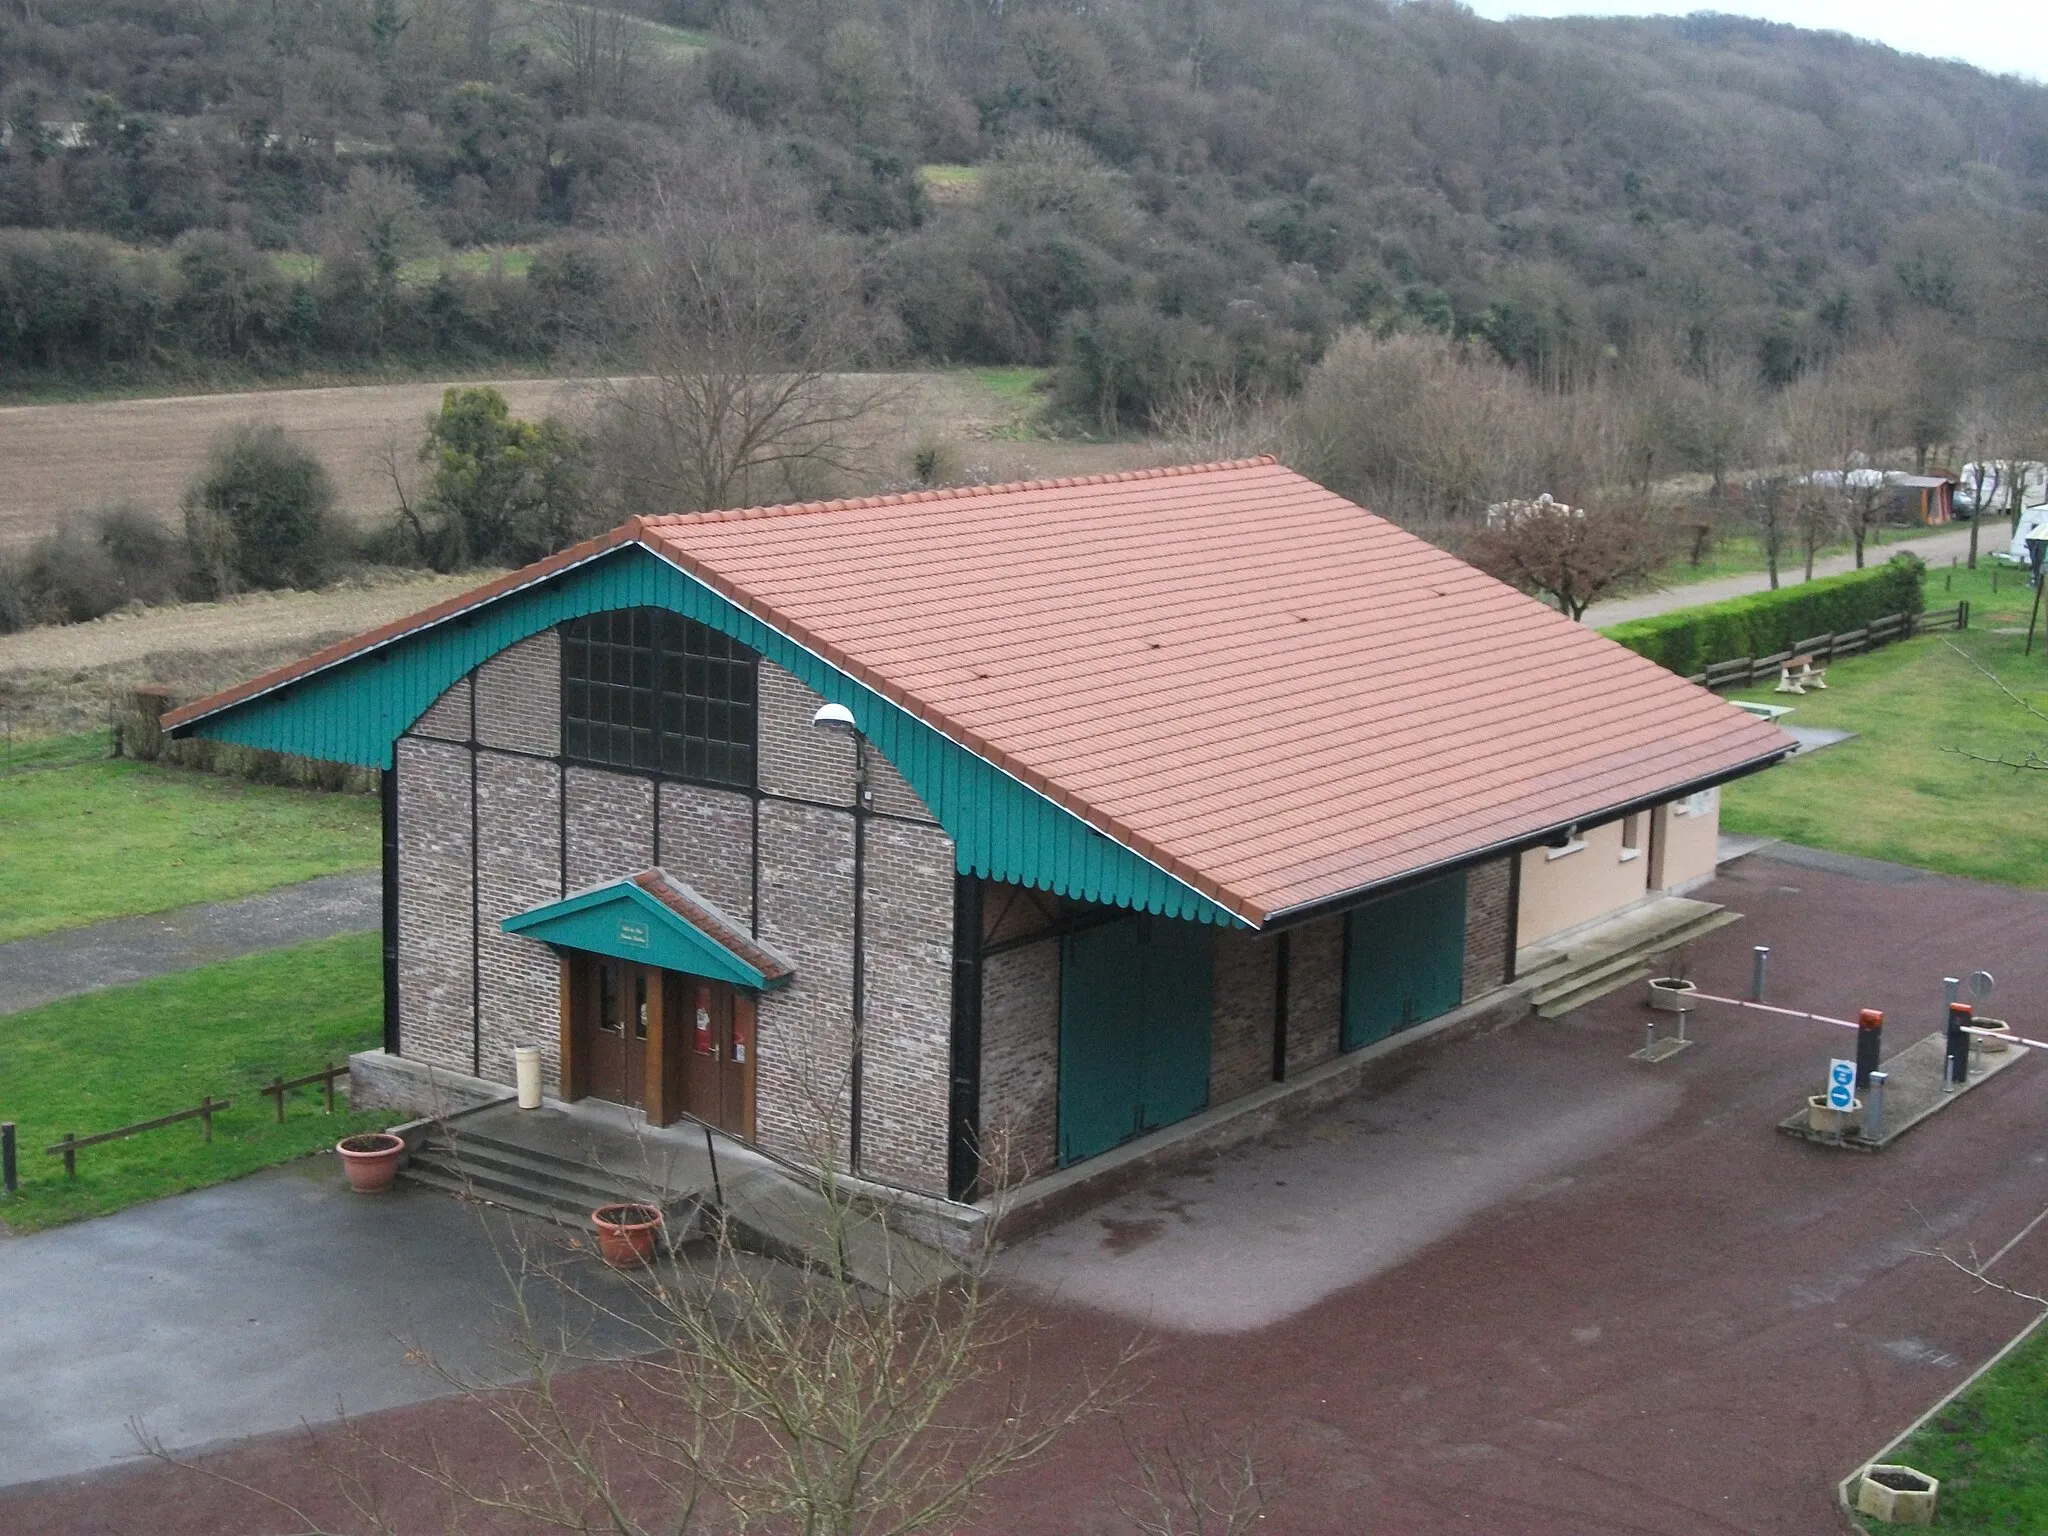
{"x": 768, "y": 1399}
{"x": 596, "y": 45}
{"x": 743, "y": 315}
{"x": 1571, "y": 555}
{"x": 1767, "y": 503}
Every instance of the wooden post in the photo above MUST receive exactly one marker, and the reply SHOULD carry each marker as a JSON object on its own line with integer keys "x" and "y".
{"x": 206, "y": 1116}
{"x": 70, "y": 1154}
{"x": 659, "y": 1110}
{"x": 329, "y": 1084}
{"x": 277, "y": 1088}
{"x": 572, "y": 1065}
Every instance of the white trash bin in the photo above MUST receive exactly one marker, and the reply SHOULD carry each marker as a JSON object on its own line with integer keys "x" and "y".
{"x": 526, "y": 1064}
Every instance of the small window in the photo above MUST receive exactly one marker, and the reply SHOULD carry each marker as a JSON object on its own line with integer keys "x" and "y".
{"x": 649, "y": 689}
{"x": 1631, "y": 837}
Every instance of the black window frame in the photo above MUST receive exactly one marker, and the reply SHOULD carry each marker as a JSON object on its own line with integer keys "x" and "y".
{"x": 648, "y": 690}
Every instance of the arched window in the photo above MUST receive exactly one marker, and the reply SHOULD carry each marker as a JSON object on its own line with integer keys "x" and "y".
{"x": 648, "y": 689}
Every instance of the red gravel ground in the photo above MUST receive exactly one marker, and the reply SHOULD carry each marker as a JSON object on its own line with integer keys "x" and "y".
{"x": 1700, "y": 1333}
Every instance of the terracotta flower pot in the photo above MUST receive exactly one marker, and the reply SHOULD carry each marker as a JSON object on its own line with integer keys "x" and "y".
{"x": 626, "y": 1233}
{"x": 371, "y": 1160}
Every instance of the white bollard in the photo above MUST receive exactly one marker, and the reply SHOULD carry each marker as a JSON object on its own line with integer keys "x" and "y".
{"x": 526, "y": 1066}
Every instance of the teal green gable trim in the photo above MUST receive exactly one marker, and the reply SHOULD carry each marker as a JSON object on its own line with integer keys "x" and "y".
{"x": 355, "y": 711}
{"x": 623, "y": 921}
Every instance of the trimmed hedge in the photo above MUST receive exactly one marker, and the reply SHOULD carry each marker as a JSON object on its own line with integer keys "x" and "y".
{"x": 1690, "y": 640}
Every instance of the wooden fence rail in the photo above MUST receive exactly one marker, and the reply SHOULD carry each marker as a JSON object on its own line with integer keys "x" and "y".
{"x": 1747, "y": 671}
{"x": 277, "y": 1087}
{"x": 204, "y": 1112}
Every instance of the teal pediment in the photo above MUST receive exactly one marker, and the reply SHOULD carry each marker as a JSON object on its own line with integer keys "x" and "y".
{"x": 654, "y": 920}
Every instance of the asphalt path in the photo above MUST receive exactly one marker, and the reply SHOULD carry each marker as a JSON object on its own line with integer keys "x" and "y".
{"x": 255, "y": 1306}
{"x": 1937, "y": 549}
{"x": 124, "y": 949}
{"x": 1519, "y": 1283}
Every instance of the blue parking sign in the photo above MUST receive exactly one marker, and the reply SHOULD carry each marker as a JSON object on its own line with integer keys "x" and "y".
{"x": 1841, "y": 1085}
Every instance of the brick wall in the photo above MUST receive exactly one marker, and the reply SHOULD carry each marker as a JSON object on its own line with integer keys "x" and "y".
{"x": 519, "y": 697}
{"x": 1020, "y": 1061}
{"x": 707, "y": 841}
{"x": 611, "y": 825}
{"x": 907, "y": 944}
{"x": 1241, "y": 1028}
{"x": 797, "y": 758}
{"x": 518, "y": 867}
{"x": 529, "y": 807}
{"x": 434, "y": 970}
{"x": 1315, "y": 992}
{"x": 447, "y": 718}
{"x": 1486, "y": 927}
{"x": 806, "y": 1029}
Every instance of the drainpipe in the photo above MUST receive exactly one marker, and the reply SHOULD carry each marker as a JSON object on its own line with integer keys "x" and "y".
{"x": 863, "y": 799}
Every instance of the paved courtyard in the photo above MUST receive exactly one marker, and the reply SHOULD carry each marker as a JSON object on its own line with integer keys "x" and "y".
{"x": 1523, "y": 1284}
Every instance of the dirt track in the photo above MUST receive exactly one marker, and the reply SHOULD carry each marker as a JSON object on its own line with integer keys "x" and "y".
{"x": 62, "y": 459}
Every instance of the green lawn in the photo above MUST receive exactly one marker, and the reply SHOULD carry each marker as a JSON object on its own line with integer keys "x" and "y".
{"x": 1738, "y": 554}
{"x": 1910, "y": 788}
{"x": 84, "y": 838}
{"x": 1990, "y": 1450}
{"x": 110, "y": 1058}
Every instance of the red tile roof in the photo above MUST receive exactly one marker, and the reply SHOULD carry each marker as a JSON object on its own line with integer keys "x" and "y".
{"x": 693, "y": 908}
{"x": 1275, "y": 695}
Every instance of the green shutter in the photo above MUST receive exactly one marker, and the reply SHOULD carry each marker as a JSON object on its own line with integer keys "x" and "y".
{"x": 1404, "y": 960}
{"x": 1135, "y": 1010}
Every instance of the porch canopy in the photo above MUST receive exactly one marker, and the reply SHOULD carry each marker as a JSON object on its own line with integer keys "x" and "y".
{"x": 654, "y": 919}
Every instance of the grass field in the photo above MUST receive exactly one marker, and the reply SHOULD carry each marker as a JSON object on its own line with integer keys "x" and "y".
{"x": 111, "y": 1058}
{"x": 1738, "y": 554}
{"x": 1912, "y": 787}
{"x": 84, "y": 838}
{"x": 1990, "y": 1450}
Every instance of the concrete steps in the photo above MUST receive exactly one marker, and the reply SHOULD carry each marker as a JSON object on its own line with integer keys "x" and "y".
{"x": 1614, "y": 954}
{"x": 475, "y": 1165}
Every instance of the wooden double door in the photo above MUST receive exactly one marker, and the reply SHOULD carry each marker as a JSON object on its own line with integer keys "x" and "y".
{"x": 661, "y": 1041}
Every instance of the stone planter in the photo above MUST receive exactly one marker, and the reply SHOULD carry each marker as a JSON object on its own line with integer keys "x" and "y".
{"x": 1991, "y": 1045}
{"x": 1671, "y": 994}
{"x": 1833, "y": 1122}
{"x": 627, "y": 1233}
{"x": 371, "y": 1161}
{"x": 1897, "y": 1495}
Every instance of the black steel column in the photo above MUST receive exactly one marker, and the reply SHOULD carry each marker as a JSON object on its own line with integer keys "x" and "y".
{"x": 963, "y": 1136}
{"x": 861, "y": 798}
{"x": 1280, "y": 964}
{"x": 1869, "y": 1041}
{"x": 387, "y": 795}
{"x": 1959, "y": 1020}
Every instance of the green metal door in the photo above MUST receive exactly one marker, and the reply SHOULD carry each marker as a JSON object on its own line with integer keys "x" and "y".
{"x": 1404, "y": 961}
{"x": 1134, "y": 1031}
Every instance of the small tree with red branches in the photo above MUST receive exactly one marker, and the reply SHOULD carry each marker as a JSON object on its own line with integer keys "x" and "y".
{"x": 1570, "y": 555}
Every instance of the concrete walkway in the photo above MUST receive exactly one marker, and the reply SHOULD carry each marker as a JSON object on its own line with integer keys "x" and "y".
{"x": 257, "y": 1305}
{"x": 1936, "y": 549}
{"x": 123, "y": 949}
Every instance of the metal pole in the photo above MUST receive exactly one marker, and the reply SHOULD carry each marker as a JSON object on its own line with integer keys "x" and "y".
{"x": 1873, "y": 1107}
{"x": 10, "y": 1174}
{"x": 1869, "y": 1040}
{"x": 2033, "y": 617}
{"x": 1649, "y": 1035}
{"x": 1951, "y": 989}
{"x": 1756, "y": 975}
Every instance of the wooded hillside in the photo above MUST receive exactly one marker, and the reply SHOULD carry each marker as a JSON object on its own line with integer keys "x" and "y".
{"x": 1143, "y": 191}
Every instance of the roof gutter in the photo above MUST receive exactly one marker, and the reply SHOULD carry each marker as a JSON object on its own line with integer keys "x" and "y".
{"x": 1324, "y": 906}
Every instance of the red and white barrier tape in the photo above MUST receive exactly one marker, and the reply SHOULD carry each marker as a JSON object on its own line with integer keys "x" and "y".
{"x": 1821, "y": 1018}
